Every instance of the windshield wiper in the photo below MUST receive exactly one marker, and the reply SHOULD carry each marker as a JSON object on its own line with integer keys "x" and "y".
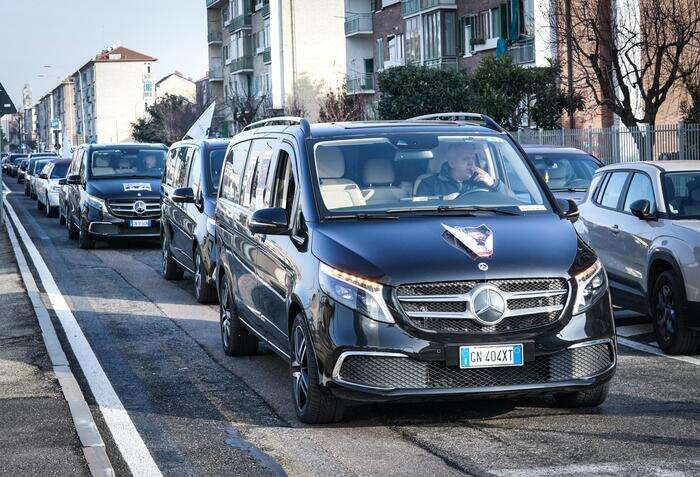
{"x": 455, "y": 208}
{"x": 361, "y": 216}
{"x": 569, "y": 189}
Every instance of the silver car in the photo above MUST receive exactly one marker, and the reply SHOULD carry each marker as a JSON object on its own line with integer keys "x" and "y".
{"x": 643, "y": 220}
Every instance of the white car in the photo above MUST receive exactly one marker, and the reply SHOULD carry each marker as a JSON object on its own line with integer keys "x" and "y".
{"x": 47, "y": 187}
{"x": 643, "y": 220}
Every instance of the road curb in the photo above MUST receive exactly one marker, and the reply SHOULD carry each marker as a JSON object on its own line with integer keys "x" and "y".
{"x": 93, "y": 446}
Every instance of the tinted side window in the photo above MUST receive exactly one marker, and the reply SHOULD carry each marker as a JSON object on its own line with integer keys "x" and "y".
{"x": 183, "y": 166}
{"x": 194, "y": 178}
{"x": 233, "y": 170}
{"x": 171, "y": 166}
{"x": 261, "y": 151}
{"x": 640, "y": 188}
{"x": 284, "y": 187}
{"x": 613, "y": 190}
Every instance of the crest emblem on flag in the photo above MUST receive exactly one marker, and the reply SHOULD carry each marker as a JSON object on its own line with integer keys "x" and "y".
{"x": 477, "y": 240}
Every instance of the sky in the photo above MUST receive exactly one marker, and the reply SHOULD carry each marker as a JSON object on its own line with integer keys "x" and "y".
{"x": 43, "y": 41}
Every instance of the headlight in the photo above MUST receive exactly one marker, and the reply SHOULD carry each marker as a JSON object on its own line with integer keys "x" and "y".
{"x": 96, "y": 203}
{"x": 592, "y": 284}
{"x": 355, "y": 292}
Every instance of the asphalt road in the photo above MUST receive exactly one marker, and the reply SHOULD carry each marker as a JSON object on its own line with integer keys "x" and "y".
{"x": 201, "y": 412}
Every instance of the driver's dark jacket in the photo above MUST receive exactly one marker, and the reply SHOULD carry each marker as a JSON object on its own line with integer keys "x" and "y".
{"x": 442, "y": 184}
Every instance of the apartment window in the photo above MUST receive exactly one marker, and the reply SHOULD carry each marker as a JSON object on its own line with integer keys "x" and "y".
{"x": 450, "y": 34}
{"x": 226, "y": 53}
{"x": 237, "y": 8}
{"x": 395, "y": 47}
{"x": 495, "y": 22}
{"x": 483, "y": 26}
{"x": 225, "y": 15}
{"x": 412, "y": 41}
{"x": 380, "y": 52}
{"x": 148, "y": 87}
{"x": 431, "y": 36}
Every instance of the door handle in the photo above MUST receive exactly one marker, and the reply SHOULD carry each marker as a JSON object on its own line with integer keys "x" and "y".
{"x": 615, "y": 229}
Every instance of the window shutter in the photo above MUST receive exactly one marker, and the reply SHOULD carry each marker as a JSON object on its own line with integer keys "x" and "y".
{"x": 460, "y": 35}
{"x": 505, "y": 17}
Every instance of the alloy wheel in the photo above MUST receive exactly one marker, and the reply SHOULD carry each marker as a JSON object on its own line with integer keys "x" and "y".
{"x": 300, "y": 368}
{"x": 164, "y": 255}
{"x": 666, "y": 313}
{"x": 225, "y": 317}
{"x": 197, "y": 273}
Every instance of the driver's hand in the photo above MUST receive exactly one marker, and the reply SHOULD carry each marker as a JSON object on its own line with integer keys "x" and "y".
{"x": 483, "y": 177}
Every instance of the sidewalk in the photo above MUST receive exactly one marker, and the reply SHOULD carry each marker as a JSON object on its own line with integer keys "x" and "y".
{"x": 37, "y": 434}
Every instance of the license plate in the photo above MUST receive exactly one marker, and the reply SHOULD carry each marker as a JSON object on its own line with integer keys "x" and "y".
{"x": 490, "y": 356}
{"x": 140, "y": 223}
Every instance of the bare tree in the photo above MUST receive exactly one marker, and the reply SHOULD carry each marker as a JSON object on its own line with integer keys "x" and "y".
{"x": 338, "y": 105}
{"x": 629, "y": 54}
{"x": 247, "y": 107}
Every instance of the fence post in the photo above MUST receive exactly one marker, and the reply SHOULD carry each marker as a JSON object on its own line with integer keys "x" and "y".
{"x": 649, "y": 146}
{"x": 563, "y": 139}
{"x": 520, "y": 139}
{"x": 539, "y": 136}
{"x": 590, "y": 139}
{"x": 680, "y": 140}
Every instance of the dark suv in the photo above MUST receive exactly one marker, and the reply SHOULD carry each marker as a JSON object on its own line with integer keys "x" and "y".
{"x": 113, "y": 190}
{"x": 395, "y": 260}
{"x": 189, "y": 189}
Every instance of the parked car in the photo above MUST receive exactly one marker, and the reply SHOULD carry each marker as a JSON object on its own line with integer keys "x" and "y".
{"x": 47, "y": 186}
{"x": 34, "y": 167}
{"x": 112, "y": 191}
{"x": 566, "y": 170}
{"x": 190, "y": 185}
{"x": 643, "y": 220}
{"x": 340, "y": 250}
{"x": 13, "y": 164}
{"x": 21, "y": 170}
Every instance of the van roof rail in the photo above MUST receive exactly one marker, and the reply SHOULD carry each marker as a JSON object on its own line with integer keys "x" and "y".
{"x": 460, "y": 116}
{"x": 282, "y": 121}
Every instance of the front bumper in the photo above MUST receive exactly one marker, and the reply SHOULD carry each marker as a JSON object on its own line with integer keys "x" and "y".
{"x": 362, "y": 359}
{"x": 101, "y": 224}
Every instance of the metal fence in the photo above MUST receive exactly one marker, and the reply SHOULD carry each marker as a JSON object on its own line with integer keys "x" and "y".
{"x": 619, "y": 144}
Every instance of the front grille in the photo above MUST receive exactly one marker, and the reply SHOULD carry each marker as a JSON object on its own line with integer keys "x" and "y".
{"x": 124, "y": 208}
{"x": 443, "y": 307}
{"x": 388, "y": 372}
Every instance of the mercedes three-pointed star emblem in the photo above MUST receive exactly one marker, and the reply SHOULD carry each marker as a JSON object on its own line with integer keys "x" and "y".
{"x": 488, "y": 305}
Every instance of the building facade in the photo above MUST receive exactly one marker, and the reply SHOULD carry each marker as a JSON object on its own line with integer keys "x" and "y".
{"x": 176, "y": 84}
{"x": 281, "y": 56}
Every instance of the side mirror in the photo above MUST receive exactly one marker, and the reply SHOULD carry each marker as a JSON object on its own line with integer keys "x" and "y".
{"x": 641, "y": 209}
{"x": 569, "y": 209}
{"x": 43, "y": 176}
{"x": 183, "y": 195}
{"x": 74, "y": 179}
{"x": 62, "y": 182}
{"x": 271, "y": 221}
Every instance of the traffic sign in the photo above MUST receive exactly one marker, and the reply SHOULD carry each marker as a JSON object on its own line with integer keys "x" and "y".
{"x": 6, "y": 104}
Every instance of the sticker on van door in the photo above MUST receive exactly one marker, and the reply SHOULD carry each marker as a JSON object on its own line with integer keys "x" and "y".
{"x": 137, "y": 186}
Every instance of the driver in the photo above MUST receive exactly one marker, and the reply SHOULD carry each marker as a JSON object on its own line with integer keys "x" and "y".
{"x": 150, "y": 164}
{"x": 459, "y": 174}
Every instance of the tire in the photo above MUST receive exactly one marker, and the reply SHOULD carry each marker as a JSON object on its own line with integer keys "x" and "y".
{"x": 591, "y": 397}
{"x": 73, "y": 231}
{"x": 50, "y": 211}
{"x": 236, "y": 339}
{"x": 85, "y": 241}
{"x": 204, "y": 291}
{"x": 61, "y": 217}
{"x": 170, "y": 268}
{"x": 26, "y": 191}
{"x": 39, "y": 204}
{"x": 313, "y": 403}
{"x": 670, "y": 316}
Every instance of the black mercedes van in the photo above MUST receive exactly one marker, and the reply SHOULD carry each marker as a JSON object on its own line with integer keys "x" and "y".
{"x": 189, "y": 189}
{"x": 113, "y": 191}
{"x": 407, "y": 260}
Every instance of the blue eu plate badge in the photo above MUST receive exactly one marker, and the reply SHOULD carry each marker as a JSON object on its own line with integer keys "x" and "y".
{"x": 489, "y": 356}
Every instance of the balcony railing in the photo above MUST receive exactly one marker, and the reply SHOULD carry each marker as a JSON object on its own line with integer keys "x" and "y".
{"x": 241, "y": 65}
{"x": 358, "y": 24}
{"x": 265, "y": 10}
{"x": 442, "y": 63}
{"x": 267, "y": 55}
{"x": 241, "y": 21}
{"x": 357, "y": 84}
{"x": 216, "y": 74}
{"x": 409, "y": 7}
{"x": 215, "y": 37}
{"x": 214, "y": 3}
{"x": 522, "y": 53}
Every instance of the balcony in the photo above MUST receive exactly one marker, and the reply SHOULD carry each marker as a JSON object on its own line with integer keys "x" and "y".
{"x": 360, "y": 84}
{"x": 265, "y": 10}
{"x": 239, "y": 22}
{"x": 358, "y": 24}
{"x": 410, "y": 7}
{"x": 262, "y": 6}
{"x": 267, "y": 56}
{"x": 522, "y": 53}
{"x": 214, "y": 3}
{"x": 241, "y": 65}
{"x": 216, "y": 74}
{"x": 443, "y": 63}
{"x": 215, "y": 37}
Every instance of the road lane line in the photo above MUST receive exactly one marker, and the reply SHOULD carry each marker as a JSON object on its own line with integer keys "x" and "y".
{"x": 654, "y": 350}
{"x": 130, "y": 444}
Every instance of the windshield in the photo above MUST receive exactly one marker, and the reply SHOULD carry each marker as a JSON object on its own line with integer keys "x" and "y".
{"x": 562, "y": 171}
{"x": 126, "y": 162}
{"x": 39, "y": 166}
{"x": 402, "y": 173}
{"x": 682, "y": 195}
{"x": 216, "y": 160}
{"x": 59, "y": 171}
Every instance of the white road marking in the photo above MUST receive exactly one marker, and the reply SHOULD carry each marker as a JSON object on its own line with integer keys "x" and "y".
{"x": 651, "y": 467}
{"x": 654, "y": 350}
{"x": 631, "y": 330}
{"x": 131, "y": 446}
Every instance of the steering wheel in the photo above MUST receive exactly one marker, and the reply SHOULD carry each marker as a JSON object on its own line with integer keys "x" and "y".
{"x": 473, "y": 191}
